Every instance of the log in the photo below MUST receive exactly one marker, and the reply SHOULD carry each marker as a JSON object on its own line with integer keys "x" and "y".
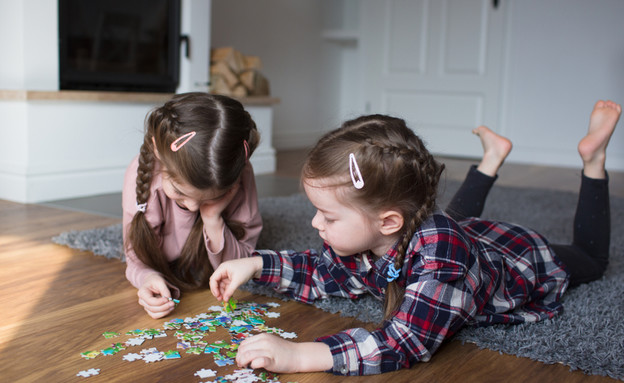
{"x": 237, "y": 75}
{"x": 221, "y": 69}
{"x": 253, "y": 62}
{"x": 233, "y": 58}
{"x": 240, "y": 91}
{"x": 255, "y": 82}
{"x": 218, "y": 85}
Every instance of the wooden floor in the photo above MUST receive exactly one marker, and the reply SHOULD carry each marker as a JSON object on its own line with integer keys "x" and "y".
{"x": 56, "y": 302}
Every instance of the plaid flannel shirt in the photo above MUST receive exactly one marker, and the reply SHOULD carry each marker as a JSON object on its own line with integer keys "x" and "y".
{"x": 473, "y": 272}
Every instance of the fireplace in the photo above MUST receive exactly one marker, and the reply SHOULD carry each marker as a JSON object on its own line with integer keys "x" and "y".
{"x": 119, "y": 45}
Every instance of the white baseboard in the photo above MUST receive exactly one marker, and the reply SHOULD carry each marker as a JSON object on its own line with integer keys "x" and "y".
{"x": 50, "y": 187}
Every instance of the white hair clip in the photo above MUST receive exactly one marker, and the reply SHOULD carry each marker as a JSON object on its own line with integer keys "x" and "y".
{"x": 141, "y": 207}
{"x": 356, "y": 175}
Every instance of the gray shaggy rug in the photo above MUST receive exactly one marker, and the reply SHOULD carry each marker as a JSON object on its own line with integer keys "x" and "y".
{"x": 588, "y": 336}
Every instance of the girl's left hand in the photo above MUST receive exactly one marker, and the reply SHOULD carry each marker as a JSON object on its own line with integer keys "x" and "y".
{"x": 278, "y": 355}
{"x": 213, "y": 221}
{"x": 211, "y": 211}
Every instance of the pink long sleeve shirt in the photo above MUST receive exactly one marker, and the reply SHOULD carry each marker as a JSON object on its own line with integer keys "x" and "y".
{"x": 173, "y": 224}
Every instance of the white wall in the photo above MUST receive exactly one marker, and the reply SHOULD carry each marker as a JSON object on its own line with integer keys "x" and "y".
{"x": 285, "y": 34}
{"x": 563, "y": 55}
{"x": 11, "y": 41}
{"x": 342, "y": 79}
{"x": 27, "y": 41}
{"x": 59, "y": 149}
{"x": 40, "y": 33}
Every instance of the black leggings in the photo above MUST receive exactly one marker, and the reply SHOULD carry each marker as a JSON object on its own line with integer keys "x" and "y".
{"x": 588, "y": 255}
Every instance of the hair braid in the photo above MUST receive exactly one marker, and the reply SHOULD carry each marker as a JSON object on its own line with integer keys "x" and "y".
{"x": 141, "y": 237}
{"x": 144, "y": 173}
{"x": 429, "y": 171}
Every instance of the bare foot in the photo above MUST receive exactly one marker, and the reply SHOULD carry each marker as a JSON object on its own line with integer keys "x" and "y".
{"x": 593, "y": 147}
{"x": 495, "y": 150}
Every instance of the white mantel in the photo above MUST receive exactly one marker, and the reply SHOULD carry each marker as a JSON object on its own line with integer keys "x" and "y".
{"x": 67, "y": 144}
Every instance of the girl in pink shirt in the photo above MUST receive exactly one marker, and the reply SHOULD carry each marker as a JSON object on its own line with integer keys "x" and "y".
{"x": 189, "y": 197}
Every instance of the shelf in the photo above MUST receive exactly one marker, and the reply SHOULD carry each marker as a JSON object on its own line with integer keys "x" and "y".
{"x": 137, "y": 97}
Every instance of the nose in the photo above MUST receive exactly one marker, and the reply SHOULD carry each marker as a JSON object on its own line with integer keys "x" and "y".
{"x": 316, "y": 221}
{"x": 191, "y": 205}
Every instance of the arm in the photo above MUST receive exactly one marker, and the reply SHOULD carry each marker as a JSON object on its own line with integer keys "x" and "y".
{"x": 441, "y": 276}
{"x": 241, "y": 206}
{"x": 303, "y": 276}
{"x": 307, "y": 276}
{"x": 407, "y": 338}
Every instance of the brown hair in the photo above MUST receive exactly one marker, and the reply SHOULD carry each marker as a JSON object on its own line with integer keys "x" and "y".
{"x": 397, "y": 169}
{"x": 213, "y": 159}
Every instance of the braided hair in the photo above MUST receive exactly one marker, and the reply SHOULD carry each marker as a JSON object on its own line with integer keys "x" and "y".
{"x": 398, "y": 170}
{"x": 225, "y": 136}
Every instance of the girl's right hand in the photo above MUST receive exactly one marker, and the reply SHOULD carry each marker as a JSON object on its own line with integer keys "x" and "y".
{"x": 231, "y": 274}
{"x": 154, "y": 296}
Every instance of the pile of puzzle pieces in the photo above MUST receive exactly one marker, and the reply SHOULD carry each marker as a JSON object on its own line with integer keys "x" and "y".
{"x": 240, "y": 319}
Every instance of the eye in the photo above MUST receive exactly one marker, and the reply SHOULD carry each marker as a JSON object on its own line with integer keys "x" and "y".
{"x": 177, "y": 191}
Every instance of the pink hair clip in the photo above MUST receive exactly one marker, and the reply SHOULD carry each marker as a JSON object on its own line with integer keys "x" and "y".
{"x": 182, "y": 140}
{"x": 246, "y": 145}
{"x": 356, "y": 175}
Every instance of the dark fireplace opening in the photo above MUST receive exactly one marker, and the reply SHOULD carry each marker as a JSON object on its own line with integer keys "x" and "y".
{"x": 119, "y": 45}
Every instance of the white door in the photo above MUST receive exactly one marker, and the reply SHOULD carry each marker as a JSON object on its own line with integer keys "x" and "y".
{"x": 437, "y": 64}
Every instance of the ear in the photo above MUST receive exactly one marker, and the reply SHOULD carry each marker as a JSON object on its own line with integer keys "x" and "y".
{"x": 391, "y": 222}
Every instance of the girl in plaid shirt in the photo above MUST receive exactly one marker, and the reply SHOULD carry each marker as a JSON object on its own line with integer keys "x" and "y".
{"x": 374, "y": 185}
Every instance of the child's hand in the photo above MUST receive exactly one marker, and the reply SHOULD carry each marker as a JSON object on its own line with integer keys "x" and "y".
{"x": 154, "y": 296}
{"x": 212, "y": 210}
{"x": 231, "y": 274}
{"x": 278, "y": 355}
{"x": 213, "y": 221}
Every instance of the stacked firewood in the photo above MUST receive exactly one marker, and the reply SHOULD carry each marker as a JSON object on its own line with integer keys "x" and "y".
{"x": 234, "y": 74}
